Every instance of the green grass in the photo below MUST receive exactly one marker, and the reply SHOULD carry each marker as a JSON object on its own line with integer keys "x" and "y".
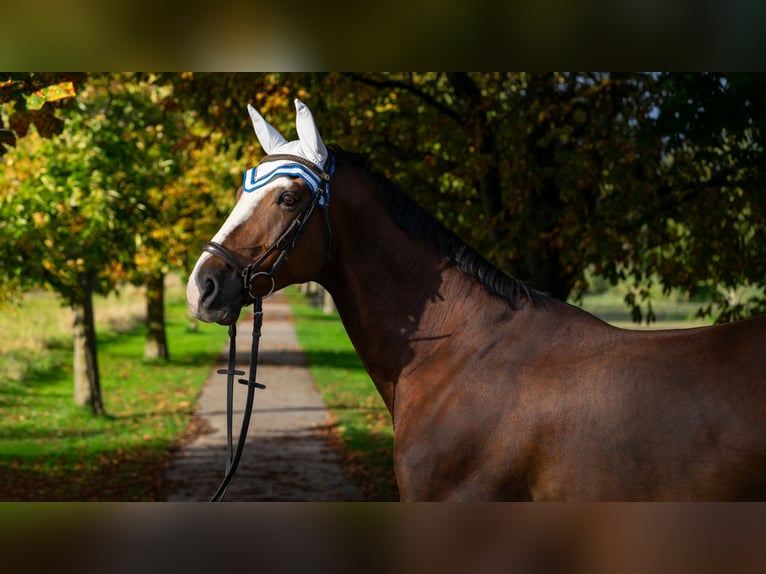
{"x": 362, "y": 419}
{"x": 671, "y": 312}
{"x": 51, "y": 449}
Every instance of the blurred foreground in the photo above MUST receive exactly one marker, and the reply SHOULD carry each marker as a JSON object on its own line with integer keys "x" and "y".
{"x": 519, "y": 538}
{"x": 248, "y": 37}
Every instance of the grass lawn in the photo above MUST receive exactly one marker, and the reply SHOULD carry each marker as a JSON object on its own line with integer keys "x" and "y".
{"x": 363, "y": 422}
{"x": 672, "y": 312}
{"x": 52, "y": 450}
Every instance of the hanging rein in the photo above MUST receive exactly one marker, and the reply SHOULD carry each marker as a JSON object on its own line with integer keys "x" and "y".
{"x": 250, "y": 273}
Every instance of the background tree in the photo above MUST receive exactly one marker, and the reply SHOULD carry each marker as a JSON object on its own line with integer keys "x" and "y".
{"x": 74, "y": 205}
{"x": 710, "y": 206}
{"x": 185, "y": 212}
{"x": 554, "y": 177}
{"x": 67, "y": 222}
{"x": 122, "y": 194}
{"x": 181, "y": 173}
{"x": 636, "y": 178}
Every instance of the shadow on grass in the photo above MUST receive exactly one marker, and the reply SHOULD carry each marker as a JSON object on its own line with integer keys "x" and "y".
{"x": 130, "y": 474}
{"x": 186, "y": 359}
{"x": 30, "y": 432}
{"x": 312, "y": 316}
{"x": 299, "y": 467}
{"x": 347, "y": 360}
{"x": 36, "y": 370}
{"x": 122, "y": 344}
{"x": 369, "y": 458}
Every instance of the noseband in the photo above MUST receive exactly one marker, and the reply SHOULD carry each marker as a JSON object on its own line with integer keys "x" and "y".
{"x": 289, "y": 237}
{"x": 285, "y": 245}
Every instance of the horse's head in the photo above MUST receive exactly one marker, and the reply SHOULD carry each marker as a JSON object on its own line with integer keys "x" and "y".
{"x": 271, "y": 220}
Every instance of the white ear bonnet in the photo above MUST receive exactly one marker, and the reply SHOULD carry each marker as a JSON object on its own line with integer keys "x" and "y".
{"x": 309, "y": 147}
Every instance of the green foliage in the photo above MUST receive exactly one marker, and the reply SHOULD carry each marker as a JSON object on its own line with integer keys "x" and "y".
{"x": 632, "y": 176}
{"x": 123, "y": 191}
{"x": 70, "y": 202}
{"x": 709, "y": 214}
{"x": 107, "y": 200}
{"x": 187, "y": 210}
{"x": 30, "y": 99}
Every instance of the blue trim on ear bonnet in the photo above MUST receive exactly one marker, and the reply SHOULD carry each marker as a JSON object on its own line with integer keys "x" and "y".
{"x": 264, "y": 173}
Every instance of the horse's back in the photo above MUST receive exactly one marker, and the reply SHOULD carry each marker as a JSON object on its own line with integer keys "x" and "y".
{"x": 660, "y": 415}
{"x": 556, "y": 404}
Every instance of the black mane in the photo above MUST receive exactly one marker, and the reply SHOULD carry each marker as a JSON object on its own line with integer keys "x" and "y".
{"x": 421, "y": 225}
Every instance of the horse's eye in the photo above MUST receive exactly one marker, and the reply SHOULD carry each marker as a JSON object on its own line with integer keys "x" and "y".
{"x": 288, "y": 199}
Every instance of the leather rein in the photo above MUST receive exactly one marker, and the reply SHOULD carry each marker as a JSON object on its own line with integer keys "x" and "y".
{"x": 284, "y": 245}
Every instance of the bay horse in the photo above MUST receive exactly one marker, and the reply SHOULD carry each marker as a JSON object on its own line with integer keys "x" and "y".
{"x": 496, "y": 391}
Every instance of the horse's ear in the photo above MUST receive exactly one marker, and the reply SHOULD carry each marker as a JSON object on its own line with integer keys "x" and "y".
{"x": 311, "y": 142}
{"x": 269, "y": 137}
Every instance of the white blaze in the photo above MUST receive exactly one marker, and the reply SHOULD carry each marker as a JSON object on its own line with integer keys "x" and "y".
{"x": 239, "y": 215}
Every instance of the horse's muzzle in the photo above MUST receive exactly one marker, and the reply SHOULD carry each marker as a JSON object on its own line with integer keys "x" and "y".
{"x": 214, "y": 293}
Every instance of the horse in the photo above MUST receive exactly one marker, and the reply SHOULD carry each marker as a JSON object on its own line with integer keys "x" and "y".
{"x": 495, "y": 391}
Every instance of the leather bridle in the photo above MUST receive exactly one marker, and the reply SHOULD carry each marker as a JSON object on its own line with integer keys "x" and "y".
{"x": 284, "y": 245}
{"x": 289, "y": 237}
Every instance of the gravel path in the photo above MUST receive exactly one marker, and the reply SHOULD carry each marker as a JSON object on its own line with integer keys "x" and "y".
{"x": 290, "y": 454}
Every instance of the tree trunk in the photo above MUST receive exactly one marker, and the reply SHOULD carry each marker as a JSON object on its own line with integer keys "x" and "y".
{"x": 545, "y": 273}
{"x": 156, "y": 346}
{"x": 328, "y": 304}
{"x": 87, "y": 381}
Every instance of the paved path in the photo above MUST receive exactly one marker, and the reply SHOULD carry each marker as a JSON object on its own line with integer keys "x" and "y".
{"x": 288, "y": 455}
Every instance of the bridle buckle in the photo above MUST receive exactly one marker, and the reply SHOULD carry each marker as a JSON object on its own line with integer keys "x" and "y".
{"x": 250, "y": 282}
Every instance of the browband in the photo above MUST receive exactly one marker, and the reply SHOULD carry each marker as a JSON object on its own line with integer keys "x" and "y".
{"x": 298, "y": 159}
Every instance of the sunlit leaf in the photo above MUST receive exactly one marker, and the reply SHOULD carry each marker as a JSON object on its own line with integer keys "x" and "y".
{"x": 51, "y": 93}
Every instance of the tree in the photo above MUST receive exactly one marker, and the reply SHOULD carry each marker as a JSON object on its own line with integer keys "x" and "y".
{"x": 71, "y": 206}
{"x": 639, "y": 178}
{"x": 59, "y": 212}
{"x": 521, "y": 165}
{"x": 184, "y": 212}
{"x": 711, "y": 207}
{"x": 180, "y": 175}
{"x": 161, "y": 138}
{"x": 557, "y": 176}
{"x": 123, "y": 194}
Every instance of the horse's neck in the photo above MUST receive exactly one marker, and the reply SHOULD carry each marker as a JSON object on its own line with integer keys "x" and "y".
{"x": 395, "y": 295}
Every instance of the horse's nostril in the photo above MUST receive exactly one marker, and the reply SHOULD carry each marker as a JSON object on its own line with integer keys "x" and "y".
{"x": 208, "y": 291}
